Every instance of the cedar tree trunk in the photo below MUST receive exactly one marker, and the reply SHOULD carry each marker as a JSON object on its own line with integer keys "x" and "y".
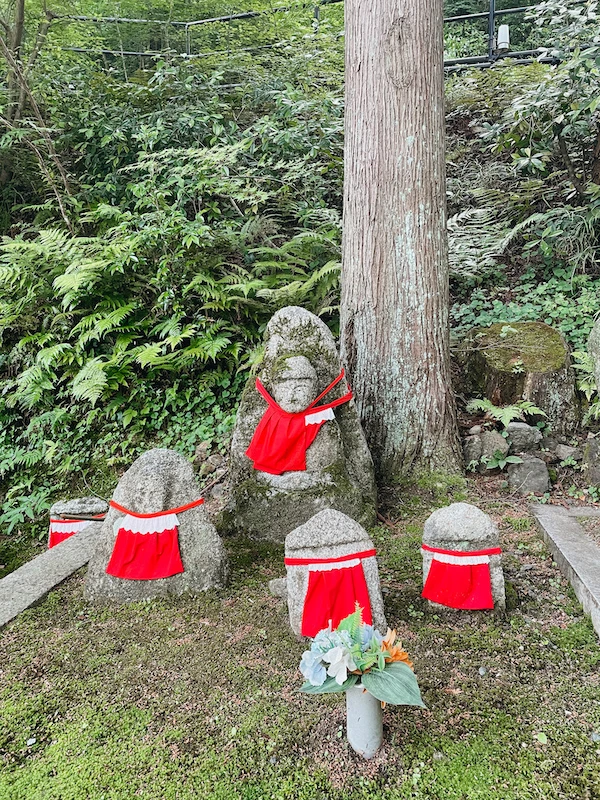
{"x": 395, "y": 334}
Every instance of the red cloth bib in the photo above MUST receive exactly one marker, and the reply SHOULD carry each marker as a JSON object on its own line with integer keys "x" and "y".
{"x": 61, "y": 529}
{"x": 147, "y": 545}
{"x": 460, "y": 580}
{"x": 281, "y": 438}
{"x": 334, "y": 588}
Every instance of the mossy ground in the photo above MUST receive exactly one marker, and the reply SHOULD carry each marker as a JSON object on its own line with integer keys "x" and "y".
{"x": 198, "y": 698}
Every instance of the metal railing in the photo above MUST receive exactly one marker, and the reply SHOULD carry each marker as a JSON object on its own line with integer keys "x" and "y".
{"x": 451, "y": 65}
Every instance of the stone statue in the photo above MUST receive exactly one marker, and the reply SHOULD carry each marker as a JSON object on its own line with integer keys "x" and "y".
{"x": 157, "y": 498}
{"x": 331, "y": 566}
{"x": 298, "y": 446}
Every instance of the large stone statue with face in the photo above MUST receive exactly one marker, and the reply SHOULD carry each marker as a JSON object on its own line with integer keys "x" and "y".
{"x": 298, "y": 446}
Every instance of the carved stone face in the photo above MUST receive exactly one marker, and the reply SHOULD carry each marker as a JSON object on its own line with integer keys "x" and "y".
{"x": 296, "y": 386}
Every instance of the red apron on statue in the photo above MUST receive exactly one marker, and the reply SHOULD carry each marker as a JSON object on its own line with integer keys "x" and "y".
{"x": 61, "y": 529}
{"x": 282, "y": 438}
{"x": 335, "y": 586}
{"x": 460, "y": 580}
{"x": 147, "y": 545}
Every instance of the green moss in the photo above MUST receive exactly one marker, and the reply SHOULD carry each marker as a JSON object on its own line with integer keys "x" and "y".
{"x": 198, "y": 697}
{"x": 16, "y": 552}
{"x": 532, "y": 346}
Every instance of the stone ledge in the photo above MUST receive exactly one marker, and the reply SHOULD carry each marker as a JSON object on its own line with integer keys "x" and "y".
{"x": 31, "y": 582}
{"x": 578, "y": 558}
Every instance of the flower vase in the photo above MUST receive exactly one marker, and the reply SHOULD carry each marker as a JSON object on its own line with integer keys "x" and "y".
{"x": 364, "y": 721}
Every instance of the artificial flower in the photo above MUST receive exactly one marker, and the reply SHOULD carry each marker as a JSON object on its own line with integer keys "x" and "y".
{"x": 367, "y": 634}
{"x": 312, "y": 668}
{"x": 394, "y": 652}
{"x": 326, "y": 640}
{"x": 340, "y": 661}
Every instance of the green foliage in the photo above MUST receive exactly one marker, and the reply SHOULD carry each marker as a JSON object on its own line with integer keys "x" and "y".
{"x": 195, "y": 225}
{"x": 586, "y": 383}
{"x": 395, "y": 684}
{"x": 329, "y": 686}
{"x": 569, "y": 305}
{"x": 499, "y": 460}
{"x": 505, "y": 414}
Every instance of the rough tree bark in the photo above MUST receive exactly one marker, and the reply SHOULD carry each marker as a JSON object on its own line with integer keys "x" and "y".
{"x": 395, "y": 335}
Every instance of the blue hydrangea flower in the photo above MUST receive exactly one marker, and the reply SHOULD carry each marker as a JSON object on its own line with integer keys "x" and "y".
{"x": 326, "y": 640}
{"x": 367, "y": 634}
{"x": 312, "y": 668}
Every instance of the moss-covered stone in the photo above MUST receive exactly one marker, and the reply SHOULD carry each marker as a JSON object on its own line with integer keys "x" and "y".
{"x": 534, "y": 346}
{"x": 524, "y": 361}
{"x": 339, "y": 468}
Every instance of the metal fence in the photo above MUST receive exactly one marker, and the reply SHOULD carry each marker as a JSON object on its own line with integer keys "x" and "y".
{"x": 493, "y": 54}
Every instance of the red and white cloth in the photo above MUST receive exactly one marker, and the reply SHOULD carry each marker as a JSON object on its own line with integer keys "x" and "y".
{"x": 460, "y": 579}
{"x": 147, "y": 545}
{"x": 282, "y": 438}
{"x": 61, "y": 529}
{"x": 335, "y": 585}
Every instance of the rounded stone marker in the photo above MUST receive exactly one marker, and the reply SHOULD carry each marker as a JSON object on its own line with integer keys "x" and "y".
{"x": 462, "y": 527}
{"x": 159, "y": 480}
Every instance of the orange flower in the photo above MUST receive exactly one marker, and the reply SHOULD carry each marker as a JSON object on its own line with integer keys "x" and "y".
{"x": 394, "y": 652}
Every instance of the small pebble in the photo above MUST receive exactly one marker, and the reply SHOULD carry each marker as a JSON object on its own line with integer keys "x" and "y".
{"x": 482, "y": 670}
{"x": 31, "y": 741}
{"x": 595, "y": 737}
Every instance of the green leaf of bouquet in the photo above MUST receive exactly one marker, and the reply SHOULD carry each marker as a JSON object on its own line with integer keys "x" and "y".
{"x": 351, "y": 623}
{"x": 396, "y": 684}
{"x": 330, "y": 686}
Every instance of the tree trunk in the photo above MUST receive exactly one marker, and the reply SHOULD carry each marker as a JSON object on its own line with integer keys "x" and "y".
{"x": 395, "y": 335}
{"x": 14, "y": 45}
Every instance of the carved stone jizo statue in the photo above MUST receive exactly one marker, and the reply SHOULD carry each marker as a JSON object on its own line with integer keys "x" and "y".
{"x": 156, "y": 539}
{"x": 331, "y": 565}
{"x": 297, "y": 446}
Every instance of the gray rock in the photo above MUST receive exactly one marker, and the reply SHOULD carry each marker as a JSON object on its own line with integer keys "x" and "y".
{"x": 80, "y": 506}
{"x": 591, "y": 461}
{"x": 530, "y": 477}
{"x": 523, "y": 438}
{"x": 278, "y": 587}
{"x": 475, "y": 430}
{"x": 564, "y": 451}
{"x": 549, "y": 443}
{"x": 216, "y": 460}
{"x": 300, "y": 361}
{"x": 218, "y": 491}
{"x": 31, "y": 582}
{"x": 492, "y": 442}
{"x": 464, "y": 527}
{"x": 329, "y": 534}
{"x": 201, "y": 454}
{"x": 159, "y": 480}
{"x": 472, "y": 449}
{"x": 593, "y": 348}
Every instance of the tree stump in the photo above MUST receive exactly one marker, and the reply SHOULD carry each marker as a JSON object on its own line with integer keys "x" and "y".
{"x": 525, "y": 361}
